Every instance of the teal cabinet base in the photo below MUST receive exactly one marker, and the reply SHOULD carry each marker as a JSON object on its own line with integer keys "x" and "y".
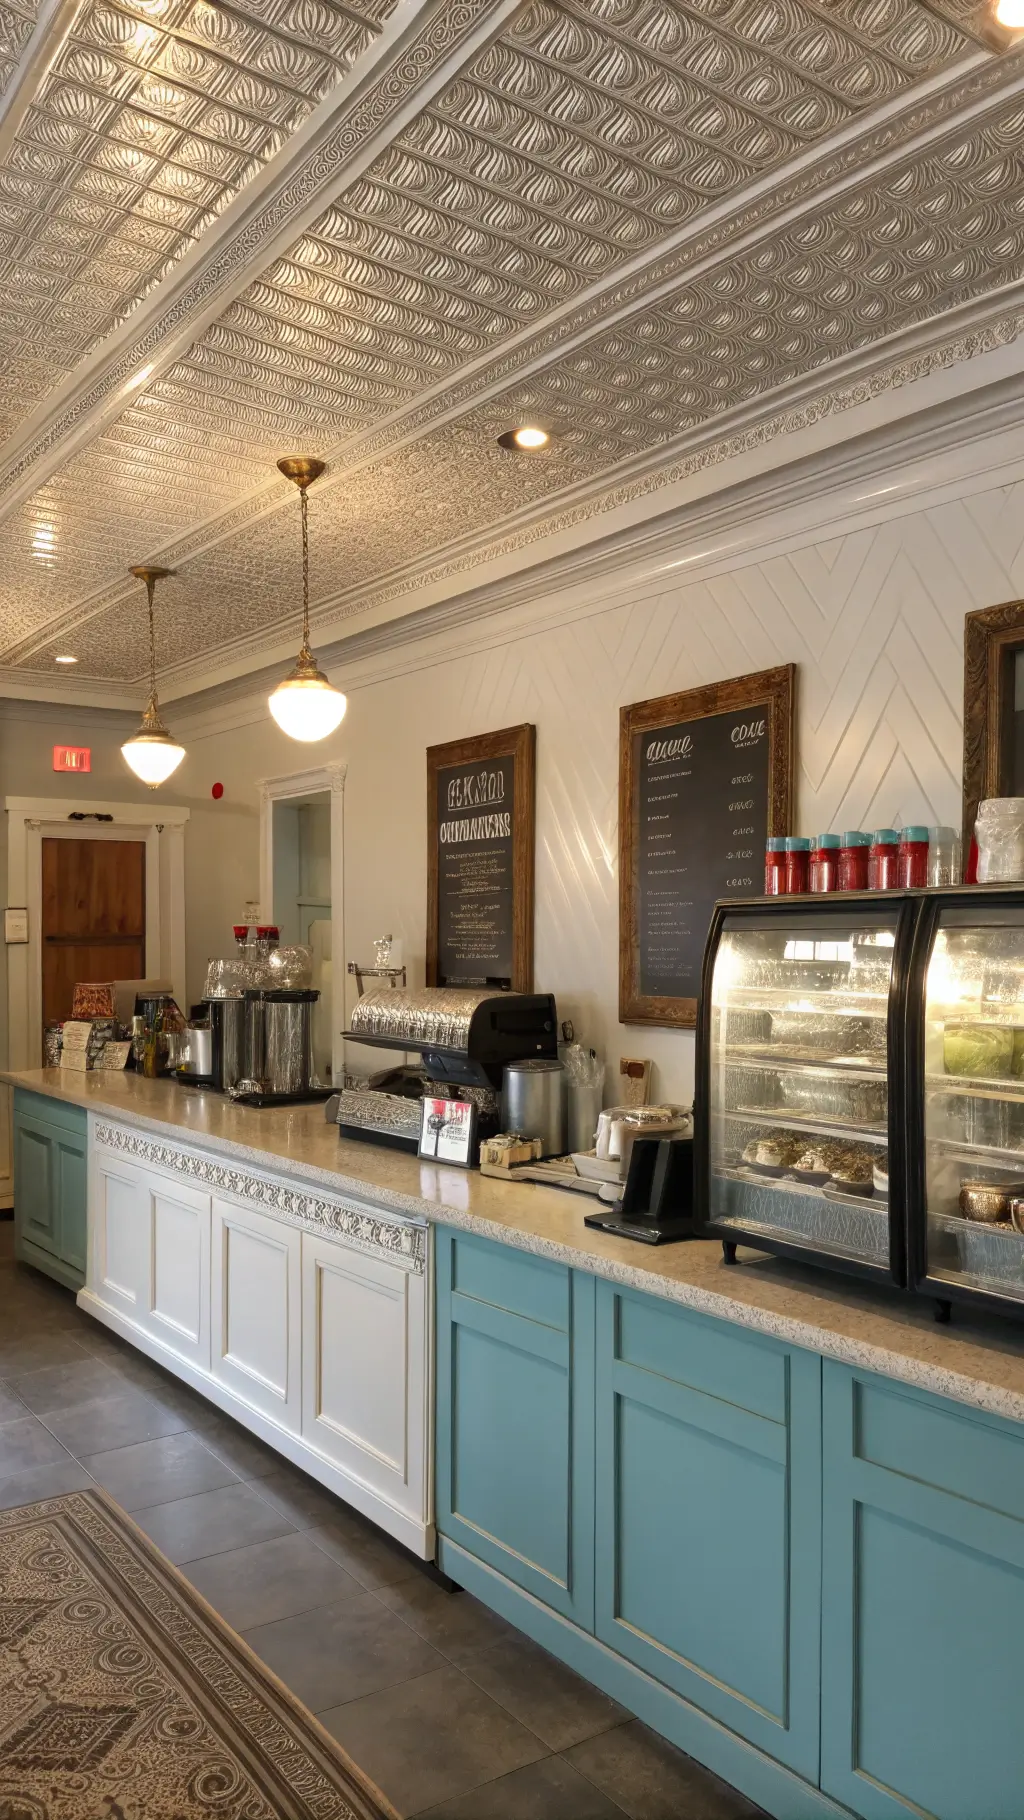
{"x": 68, "y": 1274}
{"x": 757, "y": 1776}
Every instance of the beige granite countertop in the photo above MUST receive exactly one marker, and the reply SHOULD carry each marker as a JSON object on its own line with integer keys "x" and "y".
{"x": 976, "y": 1360}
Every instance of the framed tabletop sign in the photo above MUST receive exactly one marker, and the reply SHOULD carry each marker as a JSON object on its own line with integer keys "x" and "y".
{"x": 704, "y": 778}
{"x": 480, "y": 843}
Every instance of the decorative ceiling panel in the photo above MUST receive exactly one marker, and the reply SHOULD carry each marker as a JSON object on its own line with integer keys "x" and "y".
{"x": 516, "y": 221}
{"x": 150, "y": 120}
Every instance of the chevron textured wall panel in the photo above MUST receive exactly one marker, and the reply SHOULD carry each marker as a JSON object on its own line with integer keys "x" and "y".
{"x": 874, "y": 620}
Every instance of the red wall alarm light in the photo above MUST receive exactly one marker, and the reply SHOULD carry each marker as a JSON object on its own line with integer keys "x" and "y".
{"x": 217, "y": 792}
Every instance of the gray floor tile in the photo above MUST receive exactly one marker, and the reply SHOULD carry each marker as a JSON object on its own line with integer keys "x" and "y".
{"x": 187, "y": 1529}
{"x": 103, "y": 1423}
{"x": 152, "y": 1472}
{"x": 12, "y": 1409}
{"x": 298, "y": 1497}
{"x": 31, "y": 1350}
{"x": 651, "y": 1780}
{"x": 454, "y": 1622}
{"x": 58, "y": 1386}
{"x": 271, "y": 1580}
{"x": 246, "y": 1455}
{"x": 431, "y": 1739}
{"x": 44, "y": 1482}
{"x": 342, "y": 1651}
{"x": 26, "y": 1444}
{"x": 364, "y": 1551}
{"x": 558, "y": 1705}
{"x": 548, "y": 1790}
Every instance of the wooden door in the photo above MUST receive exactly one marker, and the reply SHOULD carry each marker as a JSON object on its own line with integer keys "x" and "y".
{"x": 94, "y": 916}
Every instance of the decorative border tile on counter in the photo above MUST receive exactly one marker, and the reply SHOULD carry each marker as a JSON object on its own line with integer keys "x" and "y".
{"x": 369, "y": 1231}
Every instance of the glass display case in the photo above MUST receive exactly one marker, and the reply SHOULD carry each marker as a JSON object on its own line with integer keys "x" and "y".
{"x": 799, "y": 1129}
{"x": 966, "y": 1075}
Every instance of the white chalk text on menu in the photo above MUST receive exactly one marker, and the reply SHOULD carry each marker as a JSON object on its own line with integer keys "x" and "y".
{"x": 704, "y": 779}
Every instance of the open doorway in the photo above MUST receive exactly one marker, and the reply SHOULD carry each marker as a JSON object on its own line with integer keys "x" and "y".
{"x": 302, "y": 900}
{"x": 93, "y": 917}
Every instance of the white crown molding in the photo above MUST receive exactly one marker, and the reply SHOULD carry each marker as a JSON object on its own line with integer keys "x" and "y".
{"x": 957, "y": 448}
{"x": 898, "y": 130}
{"x": 420, "y": 49}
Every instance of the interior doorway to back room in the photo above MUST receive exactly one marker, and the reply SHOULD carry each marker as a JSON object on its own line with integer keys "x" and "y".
{"x": 93, "y": 922}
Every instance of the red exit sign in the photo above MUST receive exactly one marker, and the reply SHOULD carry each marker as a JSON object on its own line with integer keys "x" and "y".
{"x": 72, "y": 758}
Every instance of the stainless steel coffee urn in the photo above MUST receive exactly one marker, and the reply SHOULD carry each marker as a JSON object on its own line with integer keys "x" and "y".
{"x": 280, "y": 1040}
{"x": 533, "y": 1102}
{"x": 229, "y": 1024}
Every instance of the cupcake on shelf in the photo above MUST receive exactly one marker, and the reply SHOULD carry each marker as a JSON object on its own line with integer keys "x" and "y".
{"x": 854, "y": 1174}
{"x": 813, "y": 1167}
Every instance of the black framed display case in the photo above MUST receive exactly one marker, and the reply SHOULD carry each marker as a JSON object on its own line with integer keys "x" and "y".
{"x": 965, "y": 1094}
{"x": 800, "y": 1114}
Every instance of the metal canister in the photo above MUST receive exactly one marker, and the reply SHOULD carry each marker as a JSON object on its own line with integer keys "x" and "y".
{"x": 533, "y": 1101}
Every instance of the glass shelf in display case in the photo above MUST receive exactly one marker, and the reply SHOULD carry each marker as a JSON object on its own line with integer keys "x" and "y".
{"x": 967, "y": 1072}
{"x": 798, "y": 1132}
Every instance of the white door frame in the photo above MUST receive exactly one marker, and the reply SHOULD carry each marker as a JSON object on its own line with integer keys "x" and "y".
{"x": 329, "y": 777}
{"x": 30, "y": 820}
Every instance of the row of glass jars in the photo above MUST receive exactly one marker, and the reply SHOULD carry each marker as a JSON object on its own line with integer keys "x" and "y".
{"x": 887, "y": 860}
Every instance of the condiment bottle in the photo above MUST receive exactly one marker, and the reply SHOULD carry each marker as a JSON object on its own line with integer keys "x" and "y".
{"x": 823, "y": 870}
{"x": 853, "y": 860}
{"x": 883, "y": 860}
{"x": 797, "y": 851}
{"x": 913, "y": 862}
{"x": 943, "y": 856}
{"x": 775, "y": 866}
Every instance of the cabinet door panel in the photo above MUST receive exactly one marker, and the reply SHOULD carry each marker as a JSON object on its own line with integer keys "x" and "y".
{"x": 35, "y": 1203}
{"x": 363, "y": 1325}
{"x": 515, "y": 1425}
{"x": 708, "y": 1520}
{"x": 70, "y": 1195}
{"x": 120, "y": 1236}
{"x": 255, "y": 1272}
{"x": 179, "y": 1306}
{"x": 923, "y": 1606}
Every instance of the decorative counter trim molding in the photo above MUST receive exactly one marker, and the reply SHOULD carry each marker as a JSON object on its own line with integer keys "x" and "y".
{"x": 372, "y": 1232}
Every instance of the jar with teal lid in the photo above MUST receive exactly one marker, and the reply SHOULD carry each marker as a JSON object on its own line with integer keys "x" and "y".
{"x": 883, "y": 860}
{"x": 853, "y": 860}
{"x": 775, "y": 866}
{"x": 823, "y": 868}
{"x": 797, "y": 854}
{"x": 913, "y": 861}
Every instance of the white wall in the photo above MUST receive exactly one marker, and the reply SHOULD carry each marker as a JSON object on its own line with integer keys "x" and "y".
{"x": 873, "y": 617}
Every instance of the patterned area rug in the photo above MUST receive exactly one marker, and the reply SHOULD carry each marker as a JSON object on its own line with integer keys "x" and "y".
{"x": 124, "y": 1697}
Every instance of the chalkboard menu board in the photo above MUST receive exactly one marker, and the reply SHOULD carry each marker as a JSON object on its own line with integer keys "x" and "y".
{"x": 480, "y": 815}
{"x": 704, "y": 779}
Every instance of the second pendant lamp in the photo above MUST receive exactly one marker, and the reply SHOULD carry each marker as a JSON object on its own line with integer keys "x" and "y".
{"x": 152, "y": 752}
{"x": 305, "y": 705}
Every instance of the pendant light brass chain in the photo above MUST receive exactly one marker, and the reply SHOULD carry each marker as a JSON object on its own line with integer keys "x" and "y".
{"x": 150, "y": 588}
{"x": 305, "y": 570}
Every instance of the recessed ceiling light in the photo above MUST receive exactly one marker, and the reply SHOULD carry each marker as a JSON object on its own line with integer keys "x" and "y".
{"x": 65, "y": 660}
{"x": 527, "y": 438}
{"x": 1011, "y": 14}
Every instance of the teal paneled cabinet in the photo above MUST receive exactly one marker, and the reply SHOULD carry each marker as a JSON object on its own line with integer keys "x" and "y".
{"x": 922, "y": 1604}
{"x": 515, "y": 1418}
{"x": 50, "y": 1186}
{"x": 810, "y": 1577}
{"x": 708, "y": 1508}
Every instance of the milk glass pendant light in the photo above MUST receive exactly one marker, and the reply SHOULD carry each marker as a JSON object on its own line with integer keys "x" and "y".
{"x": 304, "y": 705}
{"x": 151, "y": 752}
{"x": 1011, "y": 14}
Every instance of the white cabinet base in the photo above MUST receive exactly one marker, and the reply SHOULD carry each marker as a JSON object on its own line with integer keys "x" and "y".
{"x": 303, "y": 1317}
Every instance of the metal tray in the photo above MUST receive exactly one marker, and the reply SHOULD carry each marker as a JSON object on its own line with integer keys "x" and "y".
{"x": 849, "y": 1225}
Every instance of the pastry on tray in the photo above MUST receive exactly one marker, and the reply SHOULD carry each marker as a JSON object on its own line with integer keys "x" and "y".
{"x": 854, "y": 1175}
{"x": 813, "y": 1166}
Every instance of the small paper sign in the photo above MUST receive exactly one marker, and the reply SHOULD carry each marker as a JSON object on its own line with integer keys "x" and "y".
{"x": 115, "y": 1056}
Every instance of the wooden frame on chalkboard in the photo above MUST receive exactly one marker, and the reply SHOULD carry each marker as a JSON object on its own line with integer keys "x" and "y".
{"x": 519, "y": 744}
{"x": 774, "y": 690}
{"x": 993, "y": 637}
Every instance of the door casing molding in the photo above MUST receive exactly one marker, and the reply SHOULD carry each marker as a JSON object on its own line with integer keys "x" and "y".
{"x": 318, "y": 779}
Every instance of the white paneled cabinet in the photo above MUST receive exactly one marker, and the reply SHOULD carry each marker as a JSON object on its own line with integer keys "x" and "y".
{"x": 363, "y": 1380}
{"x": 315, "y": 1337}
{"x": 257, "y": 1310}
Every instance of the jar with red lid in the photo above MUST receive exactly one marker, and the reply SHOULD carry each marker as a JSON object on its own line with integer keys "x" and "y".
{"x": 853, "y": 860}
{"x": 796, "y": 857}
{"x": 883, "y": 860}
{"x": 823, "y": 867}
{"x": 913, "y": 860}
{"x": 775, "y": 866}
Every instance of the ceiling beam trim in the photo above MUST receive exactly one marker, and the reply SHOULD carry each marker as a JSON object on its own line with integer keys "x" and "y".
{"x": 421, "y": 49}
